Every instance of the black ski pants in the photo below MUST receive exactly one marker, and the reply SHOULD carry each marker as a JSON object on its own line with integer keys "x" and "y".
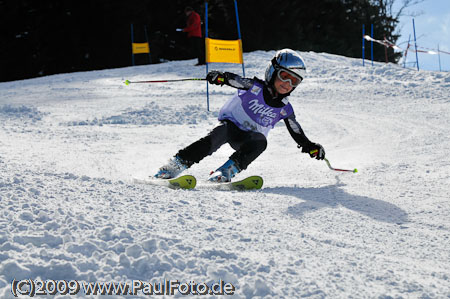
{"x": 248, "y": 145}
{"x": 197, "y": 45}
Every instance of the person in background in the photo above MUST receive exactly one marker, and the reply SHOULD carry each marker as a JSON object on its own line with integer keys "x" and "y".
{"x": 194, "y": 34}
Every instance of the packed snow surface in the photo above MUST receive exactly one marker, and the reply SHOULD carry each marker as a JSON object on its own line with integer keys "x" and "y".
{"x": 70, "y": 145}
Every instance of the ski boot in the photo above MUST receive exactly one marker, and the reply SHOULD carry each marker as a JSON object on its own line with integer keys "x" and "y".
{"x": 171, "y": 169}
{"x": 225, "y": 172}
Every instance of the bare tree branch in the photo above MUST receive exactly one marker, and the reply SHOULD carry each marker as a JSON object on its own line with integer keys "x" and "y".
{"x": 405, "y": 5}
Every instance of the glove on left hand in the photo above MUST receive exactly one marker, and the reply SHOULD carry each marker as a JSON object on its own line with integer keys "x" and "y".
{"x": 315, "y": 150}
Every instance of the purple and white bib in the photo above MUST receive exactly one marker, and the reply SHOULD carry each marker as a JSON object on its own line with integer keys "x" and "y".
{"x": 248, "y": 110}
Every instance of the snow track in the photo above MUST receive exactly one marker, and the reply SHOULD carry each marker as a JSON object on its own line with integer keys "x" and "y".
{"x": 70, "y": 144}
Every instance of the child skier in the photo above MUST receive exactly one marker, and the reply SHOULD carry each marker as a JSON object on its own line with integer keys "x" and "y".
{"x": 246, "y": 119}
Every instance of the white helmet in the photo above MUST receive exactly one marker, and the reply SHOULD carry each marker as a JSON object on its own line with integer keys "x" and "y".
{"x": 287, "y": 60}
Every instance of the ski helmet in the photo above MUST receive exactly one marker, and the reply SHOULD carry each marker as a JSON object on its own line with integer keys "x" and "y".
{"x": 287, "y": 60}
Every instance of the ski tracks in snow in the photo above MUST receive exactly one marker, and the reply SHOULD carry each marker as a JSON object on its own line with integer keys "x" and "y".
{"x": 68, "y": 211}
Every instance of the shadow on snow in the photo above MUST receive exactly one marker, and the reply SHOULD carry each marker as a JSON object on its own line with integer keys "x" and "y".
{"x": 334, "y": 196}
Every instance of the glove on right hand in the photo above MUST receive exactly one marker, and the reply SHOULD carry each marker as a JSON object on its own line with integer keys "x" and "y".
{"x": 216, "y": 77}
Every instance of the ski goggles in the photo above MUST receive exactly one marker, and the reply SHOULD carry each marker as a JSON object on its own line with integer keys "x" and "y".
{"x": 286, "y": 76}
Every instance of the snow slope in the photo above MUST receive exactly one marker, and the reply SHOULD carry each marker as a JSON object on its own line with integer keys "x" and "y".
{"x": 70, "y": 144}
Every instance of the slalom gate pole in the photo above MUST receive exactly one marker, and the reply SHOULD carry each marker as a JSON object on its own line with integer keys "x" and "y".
{"x": 127, "y": 82}
{"x": 239, "y": 32}
{"x": 406, "y": 51}
{"x": 415, "y": 44}
{"x": 331, "y": 167}
{"x": 371, "y": 43}
{"x": 206, "y": 54}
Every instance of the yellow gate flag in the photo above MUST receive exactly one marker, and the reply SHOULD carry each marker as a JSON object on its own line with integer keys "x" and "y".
{"x": 228, "y": 51}
{"x": 140, "y": 48}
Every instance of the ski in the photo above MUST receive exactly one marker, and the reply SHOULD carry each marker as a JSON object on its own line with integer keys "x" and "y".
{"x": 182, "y": 182}
{"x": 250, "y": 183}
{"x": 189, "y": 182}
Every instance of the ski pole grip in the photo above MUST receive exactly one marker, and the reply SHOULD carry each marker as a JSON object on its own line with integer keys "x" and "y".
{"x": 313, "y": 152}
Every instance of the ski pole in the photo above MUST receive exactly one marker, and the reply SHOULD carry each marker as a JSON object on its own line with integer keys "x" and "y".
{"x": 127, "y": 82}
{"x": 331, "y": 167}
{"x": 337, "y": 169}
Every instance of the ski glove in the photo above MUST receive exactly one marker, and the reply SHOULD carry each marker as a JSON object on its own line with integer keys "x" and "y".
{"x": 314, "y": 150}
{"x": 216, "y": 77}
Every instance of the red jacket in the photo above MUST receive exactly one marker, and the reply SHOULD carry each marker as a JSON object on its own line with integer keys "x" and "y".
{"x": 194, "y": 25}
